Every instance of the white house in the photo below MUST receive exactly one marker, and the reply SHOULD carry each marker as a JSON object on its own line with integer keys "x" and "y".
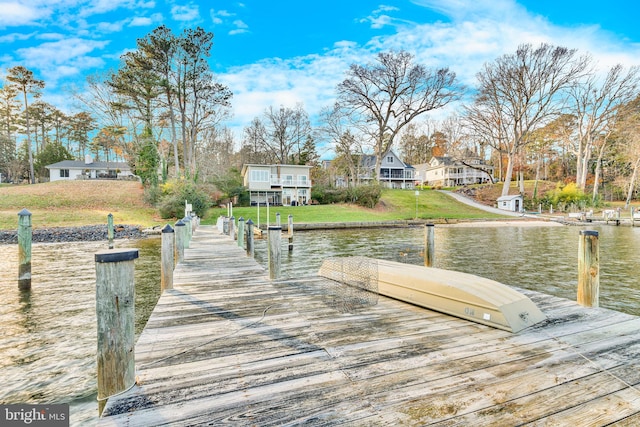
{"x": 74, "y": 169}
{"x": 445, "y": 171}
{"x": 277, "y": 184}
{"x": 513, "y": 203}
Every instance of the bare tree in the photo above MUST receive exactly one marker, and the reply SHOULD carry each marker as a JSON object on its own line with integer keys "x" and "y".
{"x": 595, "y": 104}
{"x": 519, "y": 92}
{"x": 279, "y": 131}
{"x": 385, "y": 96}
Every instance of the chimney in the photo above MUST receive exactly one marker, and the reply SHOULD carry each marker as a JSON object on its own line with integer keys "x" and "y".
{"x": 88, "y": 159}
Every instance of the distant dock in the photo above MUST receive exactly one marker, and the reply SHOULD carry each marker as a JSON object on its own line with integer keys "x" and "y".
{"x": 228, "y": 346}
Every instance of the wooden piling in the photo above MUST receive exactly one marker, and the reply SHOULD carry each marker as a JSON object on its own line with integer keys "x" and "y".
{"x": 290, "y": 231}
{"x": 115, "y": 314}
{"x": 429, "y": 244}
{"x": 25, "y": 236}
{"x": 187, "y": 231}
{"x": 241, "y": 232}
{"x": 278, "y": 224}
{"x": 274, "y": 255}
{"x": 588, "y": 269}
{"x": 232, "y": 226}
{"x": 168, "y": 258}
{"x": 180, "y": 231}
{"x": 110, "y": 231}
{"x": 250, "y": 248}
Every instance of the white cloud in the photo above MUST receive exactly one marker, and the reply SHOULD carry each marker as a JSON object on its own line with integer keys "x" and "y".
{"x": 189, "y": 12}
{"x": 16, "y": 14}
{"x": 479, "y": 31}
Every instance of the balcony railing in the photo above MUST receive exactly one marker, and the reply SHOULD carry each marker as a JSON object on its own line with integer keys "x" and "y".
{"x": 279, "y": 182}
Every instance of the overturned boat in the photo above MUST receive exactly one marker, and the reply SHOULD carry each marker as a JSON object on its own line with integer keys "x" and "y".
{"x": 455, "y": 293}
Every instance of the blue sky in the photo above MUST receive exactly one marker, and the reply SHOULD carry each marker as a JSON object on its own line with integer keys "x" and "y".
{"x": 285, "y": 52}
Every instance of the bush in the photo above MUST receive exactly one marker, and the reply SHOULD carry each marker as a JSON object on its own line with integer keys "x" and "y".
{"x": 176, "y": 192}
{"x": 363, "y": 195}
{"x": 564, "y": 196}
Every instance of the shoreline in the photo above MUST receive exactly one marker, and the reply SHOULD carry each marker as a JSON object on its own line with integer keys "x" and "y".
{"x": 99, "y": 232}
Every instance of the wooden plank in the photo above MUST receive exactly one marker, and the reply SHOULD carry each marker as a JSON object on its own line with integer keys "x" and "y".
{"x": 321, "y": 354}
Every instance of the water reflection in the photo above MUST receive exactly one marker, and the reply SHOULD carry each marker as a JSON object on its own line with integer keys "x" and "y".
{"x": 48, "y": 335}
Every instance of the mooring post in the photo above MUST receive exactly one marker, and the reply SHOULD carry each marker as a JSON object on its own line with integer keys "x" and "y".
{"x": 290, "y": 231}
{"x": 241, "y": 232}
{"x": 633, "y": 218}
{"x": 278, "y": 219}
{"x": 274, "y": 255}
{"x": 588, "y": 269}
{"x": 187, "y": 231}
{"x": 250, "y": 250}
{"x": 429, "y": 244}
{"x": 115, "y": 314}
{"x": 194, "y": 222}
{"x": 232, "y": 228}
{"x": 25, "y": 236}
{"x": 110, "y": 232}
{"x": 180, "y": 232}
{"x": 168, "y": 257}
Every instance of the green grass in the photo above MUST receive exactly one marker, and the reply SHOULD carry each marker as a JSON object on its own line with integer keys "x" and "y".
{"x": 395, "y": 205}
{"x": 76, "y": 203}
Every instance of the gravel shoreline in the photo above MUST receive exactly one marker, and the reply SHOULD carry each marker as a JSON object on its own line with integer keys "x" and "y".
{"x": 74, "y": 234}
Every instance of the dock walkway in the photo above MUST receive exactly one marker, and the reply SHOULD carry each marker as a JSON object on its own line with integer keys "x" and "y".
{"x": 229, "y": 346}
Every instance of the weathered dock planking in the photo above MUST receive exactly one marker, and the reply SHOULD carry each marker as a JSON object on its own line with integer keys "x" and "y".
{"x": 229, "y": 346}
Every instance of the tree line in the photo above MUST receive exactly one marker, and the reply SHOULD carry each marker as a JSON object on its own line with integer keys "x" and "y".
{"x": 543, "y": 112}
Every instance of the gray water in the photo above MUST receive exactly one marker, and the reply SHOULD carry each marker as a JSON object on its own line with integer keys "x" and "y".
{"x": 48, "y": 336}
{"x": 543, "y": 258}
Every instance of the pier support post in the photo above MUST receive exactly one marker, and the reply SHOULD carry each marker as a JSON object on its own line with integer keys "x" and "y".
{"x": 110, "y": 232}
{"x": 168, "y": 257}
{"x": 241, "y": 232}
{"x": 290, "y": 231}
{"x": 232, "y": 228}
{"x": 115, "y": 314}
{"x": 588, "y": 269}
{"x": 275, "y": 257}
{"x": 250, "y": 248}
{"x": 180, "y": 232}
{"x": 187, "y": 233}
{"x": 25, "y": 236}
{"x": 278, "y": 224}
{"x": 429, "y": 244}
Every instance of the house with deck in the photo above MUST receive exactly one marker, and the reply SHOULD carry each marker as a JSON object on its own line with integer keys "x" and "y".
{"x": 393, "y": 172}
{"x": 445, "y": 171}
{"x": 277, "y": 184}
{"x": 88, "y": 169}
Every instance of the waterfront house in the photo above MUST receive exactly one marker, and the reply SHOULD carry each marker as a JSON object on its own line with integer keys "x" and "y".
{"x": 393, "y": 172}
{"x": 445, "y": 171}
{"x": 88, "y": 169}
{"x": 277, "y": 184}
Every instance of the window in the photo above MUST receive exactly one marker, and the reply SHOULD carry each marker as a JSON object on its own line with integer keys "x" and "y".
{"x": 259, "y": 176}
{"x": 64, "y": 173}
{"x": 389, "y": 159}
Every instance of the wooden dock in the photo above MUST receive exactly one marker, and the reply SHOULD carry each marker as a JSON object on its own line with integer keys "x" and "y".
{"x": 229, "y": 346}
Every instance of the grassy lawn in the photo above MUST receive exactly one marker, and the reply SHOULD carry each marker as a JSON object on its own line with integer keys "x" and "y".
{"x": 75, "y": 203}
{"x": 394, "y": 205}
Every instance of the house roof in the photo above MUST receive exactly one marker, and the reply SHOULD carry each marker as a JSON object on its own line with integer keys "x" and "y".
{"x": 77, "y": 164}
{"x": 509, "y": 197}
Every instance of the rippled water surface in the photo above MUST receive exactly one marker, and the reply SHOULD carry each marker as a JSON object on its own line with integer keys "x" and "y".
{"x": 538, "y": 258}
{"x": 48, "y": 335}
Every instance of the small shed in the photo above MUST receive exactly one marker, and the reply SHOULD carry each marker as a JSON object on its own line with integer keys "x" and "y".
{"x": 513, "y": 203}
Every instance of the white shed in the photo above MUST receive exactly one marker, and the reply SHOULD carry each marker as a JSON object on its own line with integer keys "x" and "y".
{"x": 513, "y": 203}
